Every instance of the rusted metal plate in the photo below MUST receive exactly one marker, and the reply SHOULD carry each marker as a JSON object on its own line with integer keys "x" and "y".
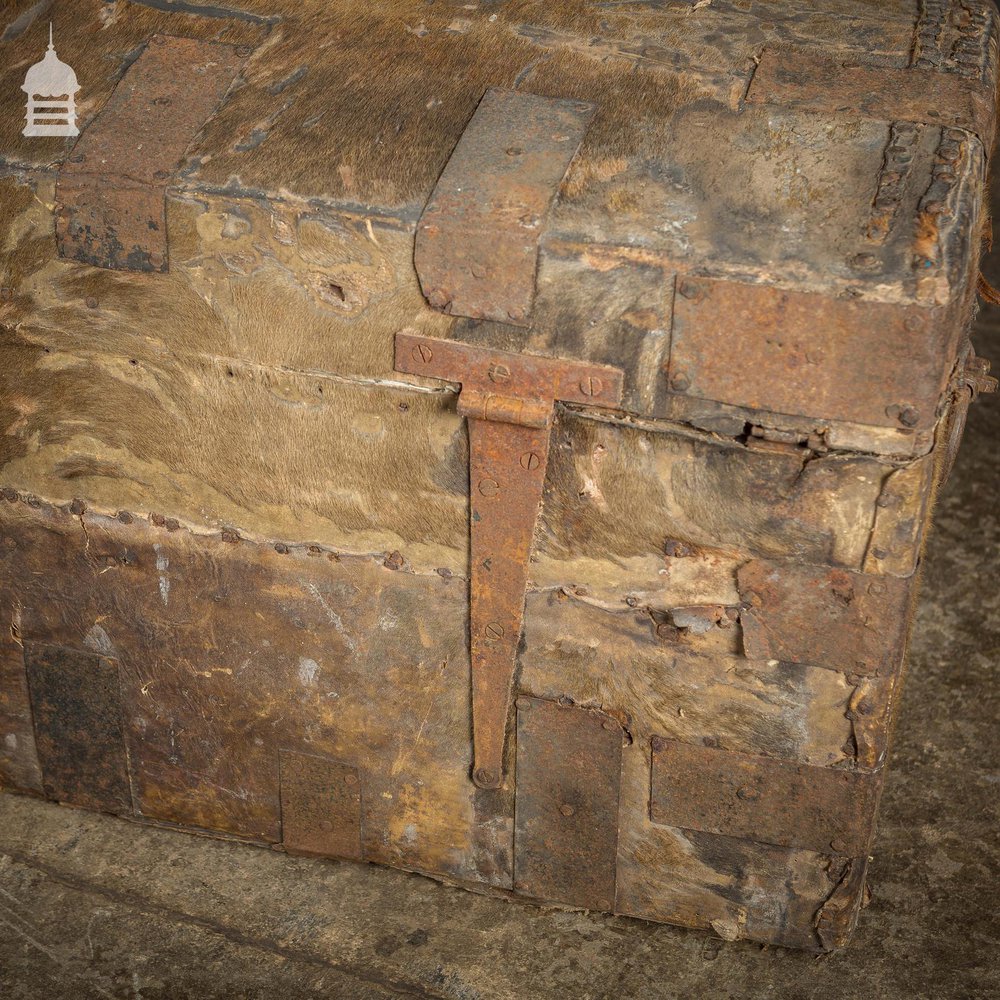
{"x": 807, "y": 80}
{"x": 320, "y": 806}
{"x": 111, "y": 187}
{"x": 508, "y": 400}
{"x": 825, "y": 809}
{"x": 477, "y": 241}
{"x": 507, "y": 466}
{"x": 851, "y": 622}
{"x": 508, "y": 374}
{"x": 76, "y": 707}
{"x": 566, "y": 810}
{"x": 806, "y": 354}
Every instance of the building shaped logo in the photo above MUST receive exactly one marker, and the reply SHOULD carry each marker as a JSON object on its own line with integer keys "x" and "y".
{"x": 51, "y": 86}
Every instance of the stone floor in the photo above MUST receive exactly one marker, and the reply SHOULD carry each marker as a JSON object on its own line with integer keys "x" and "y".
{"x": 96, "y": 907}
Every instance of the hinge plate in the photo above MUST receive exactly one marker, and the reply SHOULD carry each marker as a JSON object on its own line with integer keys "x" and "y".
{"x": 508, "y": 399}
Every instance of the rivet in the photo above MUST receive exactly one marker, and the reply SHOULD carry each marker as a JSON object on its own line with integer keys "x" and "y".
{"x": 229, "y": 536}
{"x": 77, "y": 507}
{"x": 91, "y": 302}
{"x": 513, "y": 151}
{"x": 840, "y": 846}
{"x": 865, "y": 261}
{"x": 876, "y": 587}
{"x": 479, "y": 270}
{"x": 680, "y": 381}
{"x": 657, "y": 743}
{"x": 909, "y": 416}
{"x": 879, "y": 553}
{"x": 748, "y": 793}
{"x": 485, "y": 777}
{"x": 566, "y": 809}
{"x": 689, "y": 289}
{"x": 523, "y": 704}
{"x": 281, "y": 548}
{"x": 125, "y": 517}
{"x": 605, "y": 904}
{"x": 325, "y": 825}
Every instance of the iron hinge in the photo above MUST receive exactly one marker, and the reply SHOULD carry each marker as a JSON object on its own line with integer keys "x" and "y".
{"x": 508, "y": 400}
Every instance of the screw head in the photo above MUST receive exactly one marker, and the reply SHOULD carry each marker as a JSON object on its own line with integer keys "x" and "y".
{"x": 530, "y": 461}
{"x": 498, "y": 373}
{"x": 422, "y": 354}
{"x": 566, "y": 809}
{"x": 863, "y": 261}
{"x": 591, "y": 386}
{"x": 494, "y": 631}
{"x": 485, "y": 778}
{"x": 489, "y": 487}
{"x": 350, "y": 779}
{"x": 909, "y": 416}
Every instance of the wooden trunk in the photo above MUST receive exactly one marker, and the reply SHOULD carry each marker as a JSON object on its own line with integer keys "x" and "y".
{"x": 492, "y": 440}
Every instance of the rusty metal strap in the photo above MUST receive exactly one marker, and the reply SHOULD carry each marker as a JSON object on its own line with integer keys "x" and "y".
{"x": 807, "y": 80}
{"x": 477, "y": 242}
{"x": 771, "y": 801}
{"x": 508, "y": 400}
{"x": 808, "y": 354}
{"x": 111, "y": 188}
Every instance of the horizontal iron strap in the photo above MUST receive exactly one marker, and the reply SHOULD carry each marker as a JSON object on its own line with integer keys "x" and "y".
{"x": 824, "y": 809}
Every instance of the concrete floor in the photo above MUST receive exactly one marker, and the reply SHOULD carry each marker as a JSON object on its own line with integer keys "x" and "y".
{"x": 96, "y": 907}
